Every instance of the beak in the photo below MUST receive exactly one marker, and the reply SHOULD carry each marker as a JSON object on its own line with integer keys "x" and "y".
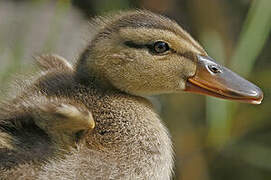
{"x": 215, "y": 80}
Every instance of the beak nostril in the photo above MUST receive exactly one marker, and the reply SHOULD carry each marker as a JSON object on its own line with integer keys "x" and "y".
{"x": 214, "y": 69}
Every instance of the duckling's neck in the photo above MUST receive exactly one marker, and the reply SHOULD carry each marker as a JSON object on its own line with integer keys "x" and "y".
{"x": 87, "y": 75}
{"x": 128, "y": 131}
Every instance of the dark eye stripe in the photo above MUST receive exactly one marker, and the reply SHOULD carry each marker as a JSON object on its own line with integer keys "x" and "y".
{"x": 132, "y": 44}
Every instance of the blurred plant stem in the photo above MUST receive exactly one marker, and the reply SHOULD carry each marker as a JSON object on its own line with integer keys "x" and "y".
{"x": 253, "y": 37}
{"x": 256, "y": 29}
{"x": 62, "y": 7}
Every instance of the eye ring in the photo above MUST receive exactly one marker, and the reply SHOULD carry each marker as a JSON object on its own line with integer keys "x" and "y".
{"x": 160, "y": 47}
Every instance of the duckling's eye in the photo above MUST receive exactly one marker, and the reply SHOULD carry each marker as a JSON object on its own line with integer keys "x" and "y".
{"x": 160, "y": 47}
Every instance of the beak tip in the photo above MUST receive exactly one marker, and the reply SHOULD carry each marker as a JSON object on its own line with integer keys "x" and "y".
{"x": 256, "y": 102}
{"x": 253, "y": 95}
{"x": 258, "y": 97}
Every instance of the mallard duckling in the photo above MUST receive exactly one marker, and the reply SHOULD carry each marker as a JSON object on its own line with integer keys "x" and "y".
{"x": 91, "y": 121}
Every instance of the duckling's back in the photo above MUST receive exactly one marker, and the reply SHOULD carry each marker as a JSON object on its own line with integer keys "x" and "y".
{"x": 24, "y": 146}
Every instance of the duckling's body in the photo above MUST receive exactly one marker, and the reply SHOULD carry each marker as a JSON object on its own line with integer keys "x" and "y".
{"x": 91, "y": 121}
{"x": 128, "y": 141}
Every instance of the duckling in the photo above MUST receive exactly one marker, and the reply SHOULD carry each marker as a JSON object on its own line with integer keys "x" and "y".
{"x": 91, "y": 120}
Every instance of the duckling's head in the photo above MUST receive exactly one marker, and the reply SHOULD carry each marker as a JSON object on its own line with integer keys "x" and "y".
{"x": 143, "y": 53}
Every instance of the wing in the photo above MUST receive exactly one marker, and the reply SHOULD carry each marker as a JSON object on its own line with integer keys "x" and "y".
{"x": 64, "y": 120}
{"x": 53, "y": 62}
{"x": 40, "y": 130}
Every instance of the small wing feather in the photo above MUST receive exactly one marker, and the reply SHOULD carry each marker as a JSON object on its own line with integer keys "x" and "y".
{"x": 69, "y": 117}
{"x": 64, "y": 120}
{"x": 53, "y": 62}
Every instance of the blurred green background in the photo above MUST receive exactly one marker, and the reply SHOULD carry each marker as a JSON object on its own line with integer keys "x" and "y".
{"x": 213, "y": 139}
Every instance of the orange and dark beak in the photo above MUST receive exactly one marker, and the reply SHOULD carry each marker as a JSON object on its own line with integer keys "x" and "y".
{"x": 215, "y": 80}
